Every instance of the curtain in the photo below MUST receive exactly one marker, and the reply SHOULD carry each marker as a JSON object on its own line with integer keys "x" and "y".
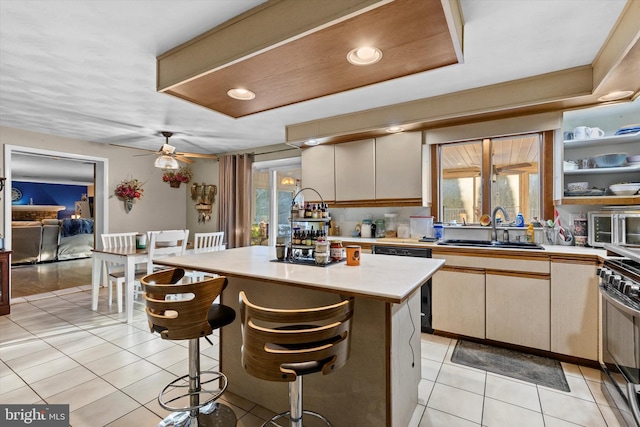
{"x": 234, "y": 213}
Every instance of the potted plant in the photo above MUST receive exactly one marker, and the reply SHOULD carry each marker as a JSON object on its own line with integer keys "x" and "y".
{"x": 175, "y": 178}
{"x": 128, "y": 190}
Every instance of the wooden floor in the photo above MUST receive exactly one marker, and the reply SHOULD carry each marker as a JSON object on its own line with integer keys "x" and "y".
{"x": 31, "y": 279}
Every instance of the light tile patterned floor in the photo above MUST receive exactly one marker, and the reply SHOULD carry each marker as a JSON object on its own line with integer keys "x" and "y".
{"x": 56, "y": 350}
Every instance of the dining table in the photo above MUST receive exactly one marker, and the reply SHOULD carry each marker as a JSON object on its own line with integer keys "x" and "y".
{"x": 128, "y": 257}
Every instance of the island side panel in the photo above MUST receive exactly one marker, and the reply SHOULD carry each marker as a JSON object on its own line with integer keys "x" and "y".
{"x": 356, "y": 394}
{"x": 406, "y": 365}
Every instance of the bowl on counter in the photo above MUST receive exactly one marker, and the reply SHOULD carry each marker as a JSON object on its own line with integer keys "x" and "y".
{"x": 578, "y": 186}
{"x": 626, "y": 189}
{"x": 610, "y": 160}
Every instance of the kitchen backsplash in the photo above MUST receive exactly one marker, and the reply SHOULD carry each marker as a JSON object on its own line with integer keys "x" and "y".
{"x": 347, "y": 218}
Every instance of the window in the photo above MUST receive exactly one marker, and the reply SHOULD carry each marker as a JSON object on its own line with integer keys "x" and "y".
{"x": 476, "y": 176}
{"x": 281, "y": 178}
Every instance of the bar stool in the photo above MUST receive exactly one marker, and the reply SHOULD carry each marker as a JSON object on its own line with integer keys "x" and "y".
{"x": 284, "y": 345}
{"x": 192, "y": 316}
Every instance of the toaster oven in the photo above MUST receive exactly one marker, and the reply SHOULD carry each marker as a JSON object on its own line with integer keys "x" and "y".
{"x": 614, "y": 226}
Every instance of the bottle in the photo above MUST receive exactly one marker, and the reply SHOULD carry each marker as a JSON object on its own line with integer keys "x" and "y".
{"x": 530, "y": 233}
{"x": 335, "y": 250}
{"x": 519, "y": 220}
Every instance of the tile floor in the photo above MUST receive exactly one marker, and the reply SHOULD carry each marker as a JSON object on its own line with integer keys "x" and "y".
{"x": 54, "y": 349}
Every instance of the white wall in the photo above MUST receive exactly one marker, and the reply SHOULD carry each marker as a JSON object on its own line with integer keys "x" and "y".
{"x": 161, "y": 207}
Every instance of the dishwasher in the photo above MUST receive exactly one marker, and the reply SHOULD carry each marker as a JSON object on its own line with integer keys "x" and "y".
{"x": 425, "y": 291}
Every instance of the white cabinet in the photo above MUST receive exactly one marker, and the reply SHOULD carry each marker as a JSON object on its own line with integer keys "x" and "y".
{"x": 518, "y": 310}
{"x": 355, "y": 170}
{"x": 574, "y": 308}
{"x": 398, "y": 169}
{"x": 318, "y": 173}
{"x": 458, "y": 296}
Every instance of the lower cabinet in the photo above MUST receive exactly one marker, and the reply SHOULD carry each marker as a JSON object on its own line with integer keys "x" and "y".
{"x": 518, "y": 310}
{"x": 574, "y": 308}
{"x": 458, "y": 301}
{"x": 550, "y": 304}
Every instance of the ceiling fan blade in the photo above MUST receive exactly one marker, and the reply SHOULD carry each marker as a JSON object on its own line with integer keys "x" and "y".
{"x": 183, "y": 159}
{"x": 198, "y": 155}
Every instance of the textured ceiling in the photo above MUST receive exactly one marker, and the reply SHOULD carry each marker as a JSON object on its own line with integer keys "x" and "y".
{"x": 86, "y": 69}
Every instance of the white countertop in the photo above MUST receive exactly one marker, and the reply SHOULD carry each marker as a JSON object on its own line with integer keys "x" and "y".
{"x": 388, "y": 278}
{"x": 548, "y": 249}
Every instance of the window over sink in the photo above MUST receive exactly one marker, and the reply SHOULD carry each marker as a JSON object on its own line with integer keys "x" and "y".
{"x": 478, "y": 175}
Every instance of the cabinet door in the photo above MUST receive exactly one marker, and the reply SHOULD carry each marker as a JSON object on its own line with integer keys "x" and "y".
{"x": 399, "y": 166}
{"x": 574, "y": 309}
{"x": 457, "y": 304}
{"x": 355, "y": 170}
{"x": 318, "y": 172}
{"x": 518, "y": 310}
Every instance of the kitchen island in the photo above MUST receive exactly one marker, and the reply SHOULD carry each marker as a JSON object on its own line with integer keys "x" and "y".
{"x": 379, "y": 384}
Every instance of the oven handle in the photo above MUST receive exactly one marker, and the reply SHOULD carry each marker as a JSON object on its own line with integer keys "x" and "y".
{"x": 617, "y": 304}
{"x": 634, "y": 392}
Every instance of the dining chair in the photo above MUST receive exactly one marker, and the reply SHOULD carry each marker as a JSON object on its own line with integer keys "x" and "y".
{"x": 115, "y": 271}
{"x": 205, "y": 242}
{"x": 165, "y": 243}
{"x": 208, "y": 242}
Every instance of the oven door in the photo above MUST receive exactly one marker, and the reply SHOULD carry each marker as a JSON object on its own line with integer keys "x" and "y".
{"x": 621, "y": 356}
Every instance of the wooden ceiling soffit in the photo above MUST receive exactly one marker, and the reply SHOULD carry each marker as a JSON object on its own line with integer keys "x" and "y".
{"x": 289, "y": 51}
{"x": 616, "y": 67}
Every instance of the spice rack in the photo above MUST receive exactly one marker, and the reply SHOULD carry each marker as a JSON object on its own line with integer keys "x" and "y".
{"x": 303, "y": 253}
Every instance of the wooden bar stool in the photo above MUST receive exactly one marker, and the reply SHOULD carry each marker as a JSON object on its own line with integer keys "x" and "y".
{"x": 284, "y": 345}
{"x": 192, "y": 316}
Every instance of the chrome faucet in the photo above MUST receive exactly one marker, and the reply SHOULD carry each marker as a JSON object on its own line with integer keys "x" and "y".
{"x": 494, "y": 233}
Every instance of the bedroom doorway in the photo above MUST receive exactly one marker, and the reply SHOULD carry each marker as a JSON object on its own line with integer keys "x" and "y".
{"x": 69, "y": 273}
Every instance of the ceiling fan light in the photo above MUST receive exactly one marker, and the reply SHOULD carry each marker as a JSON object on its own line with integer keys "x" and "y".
{"x": 364, "y": 55}
{"x": 166, "y": 162}
{"x": 241, "y": 94}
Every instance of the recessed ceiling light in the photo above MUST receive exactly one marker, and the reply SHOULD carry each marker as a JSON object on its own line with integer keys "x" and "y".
{"x": 312, "y": 142}
{"x": 394, "y": 129}
{"x": 365, "y": 55}
{"x": 614, "y": 96}
{"x": 241, "y": 94}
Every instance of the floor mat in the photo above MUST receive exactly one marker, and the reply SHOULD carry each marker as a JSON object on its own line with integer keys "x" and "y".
{"x": 522, "y": 366}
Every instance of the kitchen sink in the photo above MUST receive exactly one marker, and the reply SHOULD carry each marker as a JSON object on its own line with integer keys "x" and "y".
{"x": 490, "y": 244}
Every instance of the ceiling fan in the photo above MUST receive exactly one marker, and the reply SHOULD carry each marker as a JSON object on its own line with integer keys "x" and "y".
{"x": 168, "y": 158}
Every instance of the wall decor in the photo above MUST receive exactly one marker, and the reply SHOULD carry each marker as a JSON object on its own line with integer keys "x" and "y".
{"x": 204, "y": 196}
{"x": 175, "y": 178}
{"x": 128, "y": 191}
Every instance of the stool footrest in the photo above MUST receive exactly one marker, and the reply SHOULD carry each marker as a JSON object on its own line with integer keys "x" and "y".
{"x": 272, "y": 422}
{"x": 218, "y": 415}
{"x": 205, "y": 396}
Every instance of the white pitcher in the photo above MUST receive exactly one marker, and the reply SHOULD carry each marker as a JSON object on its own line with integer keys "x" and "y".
{"x": 595, "y": 132}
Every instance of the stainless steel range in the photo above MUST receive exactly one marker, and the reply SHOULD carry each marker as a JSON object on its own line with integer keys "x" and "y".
{"x": 620, "y": 290}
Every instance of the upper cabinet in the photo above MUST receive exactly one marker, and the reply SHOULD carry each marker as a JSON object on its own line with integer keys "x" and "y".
{"x": 580, "y": 149}
{"x": 318, "y": 173}
{"x": 386, "y": 170}
{"x": 398, "y": 166}
{"x": 355, "y": 170}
